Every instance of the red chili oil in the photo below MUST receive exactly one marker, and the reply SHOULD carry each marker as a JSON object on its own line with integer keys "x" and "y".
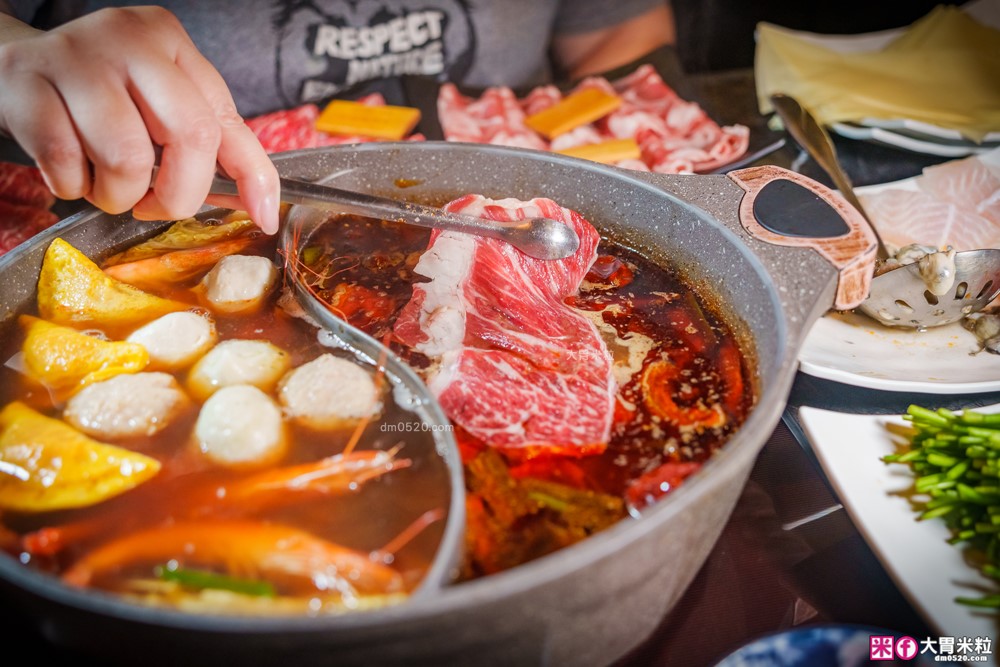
{"x": 695, "y": 397}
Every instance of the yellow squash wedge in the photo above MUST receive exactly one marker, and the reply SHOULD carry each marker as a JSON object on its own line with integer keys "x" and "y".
{"x": 64, "y": 359}
{"x": 46, "y": 465}
{"x": 73, "y": 290}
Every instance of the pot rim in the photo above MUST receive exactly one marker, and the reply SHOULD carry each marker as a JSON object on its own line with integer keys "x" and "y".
{"x": 745, "y": 443}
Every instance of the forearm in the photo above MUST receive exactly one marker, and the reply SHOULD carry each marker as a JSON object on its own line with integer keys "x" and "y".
{"x": 601, "y": 50}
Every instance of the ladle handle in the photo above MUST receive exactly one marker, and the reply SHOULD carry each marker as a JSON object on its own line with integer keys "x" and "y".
{"x": 851, "y": 251}
{"x": 815, "y": 140}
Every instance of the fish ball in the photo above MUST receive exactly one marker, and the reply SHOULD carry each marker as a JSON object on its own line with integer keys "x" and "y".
{"x": 239, "y": 283}
{"x": 126, "y": 406}
{"x": 240, "y": 425}
{"x": 328, "y": 391}
{"x": 176, "y": 340}
{"x": 253, "y": 362}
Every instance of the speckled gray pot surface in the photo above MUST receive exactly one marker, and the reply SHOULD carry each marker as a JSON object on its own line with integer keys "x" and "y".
{"x": 587, "y": 604}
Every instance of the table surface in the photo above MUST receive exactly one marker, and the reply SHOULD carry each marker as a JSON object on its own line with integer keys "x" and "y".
{"x": 789, "y": 555}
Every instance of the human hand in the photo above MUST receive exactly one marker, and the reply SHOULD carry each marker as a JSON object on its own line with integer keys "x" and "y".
{"x": 91, "y": 100}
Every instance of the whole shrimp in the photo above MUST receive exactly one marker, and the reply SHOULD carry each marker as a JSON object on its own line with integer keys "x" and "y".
{"x": 334, "y": 475}
{"x": 250, "y": 549}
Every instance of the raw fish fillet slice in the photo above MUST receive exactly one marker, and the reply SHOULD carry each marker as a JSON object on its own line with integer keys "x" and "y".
{"x": 515, "y": 366}
{"x": 966, "y": 182}
{"x": 913, "y": 216}
{"x": 989, "y": 208}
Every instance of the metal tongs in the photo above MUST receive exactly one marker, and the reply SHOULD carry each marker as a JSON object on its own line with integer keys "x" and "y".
{"x": 542, "y": 238}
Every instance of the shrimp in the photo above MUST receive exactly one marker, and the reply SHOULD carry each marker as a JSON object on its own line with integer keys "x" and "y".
{"x": 249, "y": 549}
{"x": 178, "y": 265}
{"x": 333, "y": 475}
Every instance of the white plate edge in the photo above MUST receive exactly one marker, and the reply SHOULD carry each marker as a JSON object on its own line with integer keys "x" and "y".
{"x": 808, "y": 415}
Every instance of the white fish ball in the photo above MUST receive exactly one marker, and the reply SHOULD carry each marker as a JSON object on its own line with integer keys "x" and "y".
{"x": 239, "y": 283}
{"x": 126, "y": 406}
{"x": 240, "y": 425}
{"x": 176, "y": 340}
{"x": 328, "y": 392}
{"x": 253, "y": 362}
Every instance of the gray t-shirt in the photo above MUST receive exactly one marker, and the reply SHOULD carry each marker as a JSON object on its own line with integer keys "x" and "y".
{"x": 282, "y": 53}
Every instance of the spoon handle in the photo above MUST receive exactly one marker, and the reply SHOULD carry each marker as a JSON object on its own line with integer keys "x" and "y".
{"x": 811, "y": 136}
{"x": 541, "y": 238}
{"x": 357, "y": 203}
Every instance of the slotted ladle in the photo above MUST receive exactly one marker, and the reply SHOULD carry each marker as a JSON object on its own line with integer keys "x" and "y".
{"x": 898, "y": 297}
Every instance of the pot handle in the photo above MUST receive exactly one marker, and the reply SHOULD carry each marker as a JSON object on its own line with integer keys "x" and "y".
{"x": 784, "y": 208}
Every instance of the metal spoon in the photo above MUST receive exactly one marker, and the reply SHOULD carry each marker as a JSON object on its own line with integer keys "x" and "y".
{"x": 542, "y": 238}
{"x": 898, "y": 297}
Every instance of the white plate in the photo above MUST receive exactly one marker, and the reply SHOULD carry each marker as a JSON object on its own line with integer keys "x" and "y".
{"x": 916, "y": 128}
{"x": 926, "y": 144}
{"x": 857, "y": 350}
{"x": 928, "y": 571}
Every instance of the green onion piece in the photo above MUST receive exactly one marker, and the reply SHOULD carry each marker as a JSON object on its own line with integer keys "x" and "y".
{"x": 925, "y": 416}
{"x": 941, "y": 460}
{"x": 991, "y": 601}
{"x": 201, "y": 579}
{"x": 979, "y": 419}
{"x": 957, "y": 470}
{"x": 549, "y": 501}
{"x": 311, "y": 254}
{"x": 937, "y": 511}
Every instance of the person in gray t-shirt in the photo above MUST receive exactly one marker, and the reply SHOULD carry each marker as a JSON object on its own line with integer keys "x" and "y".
{"x": 90, "y": 99}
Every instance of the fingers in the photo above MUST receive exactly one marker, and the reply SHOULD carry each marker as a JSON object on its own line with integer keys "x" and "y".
{"x": 45, "y": 131}
{"x": 114, "y": 138}
{"x": 240, "y": 152}
{"x": 241, "y": 155}
{"x": 180, "y": 120}
{"x": 94, "y": 97}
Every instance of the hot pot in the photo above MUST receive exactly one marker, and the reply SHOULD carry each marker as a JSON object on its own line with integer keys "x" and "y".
{"x": 773, "y": 249}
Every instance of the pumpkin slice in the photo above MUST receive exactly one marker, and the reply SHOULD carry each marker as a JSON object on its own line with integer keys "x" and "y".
{"x": 62, "y": 358}
{"x": 74, "y": 290}
{"x": 46, "y": 465}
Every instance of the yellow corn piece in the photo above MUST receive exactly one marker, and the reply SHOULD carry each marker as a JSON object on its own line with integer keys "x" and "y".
{"x": 74, "y": 290}
{"x": 575, "y": 110}
{"x": 354, "y": 118}
{"x": 606, "y": 152}
{"x": 64, "y": 359}
{"x": 48, "y": 465}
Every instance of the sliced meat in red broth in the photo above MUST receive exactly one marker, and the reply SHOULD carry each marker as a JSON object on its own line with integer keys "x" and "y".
{"x": 643, "y": 312}
{"x": 516, "y": 367}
